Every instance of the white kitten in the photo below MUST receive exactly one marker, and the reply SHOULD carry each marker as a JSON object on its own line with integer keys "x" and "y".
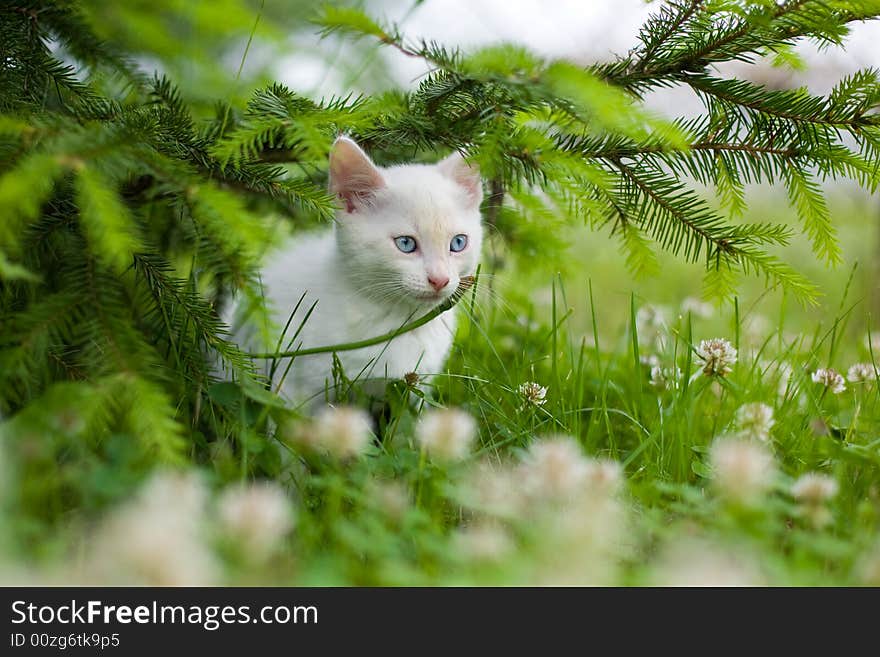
{"x": 404, "y": 237}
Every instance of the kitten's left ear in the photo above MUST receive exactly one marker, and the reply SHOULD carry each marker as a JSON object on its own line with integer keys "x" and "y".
{"x": 466, "y": 175}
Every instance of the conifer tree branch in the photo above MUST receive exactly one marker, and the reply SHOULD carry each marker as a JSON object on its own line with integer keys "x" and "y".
{"x": 750, "y": 97}
{"x": 722, "y": 245}
{"x": 129, "y": 213}
{"x": 713, "y": 38}
{"x": 685, "y": 11}
{"x": 703, "y": 56}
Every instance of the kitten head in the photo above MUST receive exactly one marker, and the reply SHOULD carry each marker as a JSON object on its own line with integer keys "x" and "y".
{"x": 406, "y": 234}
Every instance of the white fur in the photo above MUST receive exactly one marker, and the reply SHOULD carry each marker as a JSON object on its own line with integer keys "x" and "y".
{"x": 363, "y": 285}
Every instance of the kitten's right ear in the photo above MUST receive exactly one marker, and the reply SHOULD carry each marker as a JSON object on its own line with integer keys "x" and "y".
{"x": 353, "y": 176}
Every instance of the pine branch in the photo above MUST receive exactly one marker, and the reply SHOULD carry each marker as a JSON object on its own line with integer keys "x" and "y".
{"x": 794, "y": 105}
{"x": 676, "y": 203}
{"x": 661, "y": 27}
{"x": 172, "y": 296}
{"x": 715, "y": 34}
{"x": 128, "y": 212}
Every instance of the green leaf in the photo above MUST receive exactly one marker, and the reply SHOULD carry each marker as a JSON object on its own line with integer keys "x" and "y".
{"x": 701, "y": 469}
{"x": 225, "y": 393}
{"x": 229, "y": 394}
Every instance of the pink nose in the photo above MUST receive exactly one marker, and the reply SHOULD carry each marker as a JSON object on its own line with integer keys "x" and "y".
{"x": 438, "y": 282}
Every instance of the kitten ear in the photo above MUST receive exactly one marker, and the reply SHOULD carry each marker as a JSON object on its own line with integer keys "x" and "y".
{"x": 353, "y": 176}
{"x": 466, "y": 175}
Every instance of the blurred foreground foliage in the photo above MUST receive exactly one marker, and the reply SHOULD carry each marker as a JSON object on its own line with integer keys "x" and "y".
{"x": 131, "y": 210}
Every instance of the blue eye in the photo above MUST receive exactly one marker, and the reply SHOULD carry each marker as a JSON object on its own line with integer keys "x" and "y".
{"x": 458, "y": 243}
{"x": 406, "y": 243}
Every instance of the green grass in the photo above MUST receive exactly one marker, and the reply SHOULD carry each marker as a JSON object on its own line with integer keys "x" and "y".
{"x": 572, "y": 323}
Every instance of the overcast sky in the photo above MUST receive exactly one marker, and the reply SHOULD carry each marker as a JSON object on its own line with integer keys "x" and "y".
{"x": 586, "y": 30}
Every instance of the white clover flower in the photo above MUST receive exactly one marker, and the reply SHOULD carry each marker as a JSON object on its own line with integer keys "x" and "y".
{"x": 743, "y": 470}
{"x": 390, "y": 497}
{"x": 257, "y": 516}
{"x": 696, "y": 562}
{"x": 649, "y": 360}
{"x": 483, "y": 542}
{"x": 343, "y": 432}
{"x": 572, "y": 507}
{"x": 868, "y": 567}
{"x": 651, "y": 326}
{"x": 755, "y": 329}
{"x": 167, "y": 489}
{"x": 861, "y": 373}
{"x": 495, "y": 490}
{"x": 604, "y": 476}
{"x": 830, "y": 379}
{"x": 697, "y": 307}
{"x": 581, "y": 542}
{"x": 157, "y": 538}
{"x": 717, "y": 356}
{"x": 446, "y": 434}
{"x": 814, "y": 488}
{"x": 651, "y": 318}
{"x": 528, "y": 324}
{"x": 666, "y": 378}
{"x": 755, "y": 421}
{"x": 533, "y": 393}
{"x": 555, "y": 468}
